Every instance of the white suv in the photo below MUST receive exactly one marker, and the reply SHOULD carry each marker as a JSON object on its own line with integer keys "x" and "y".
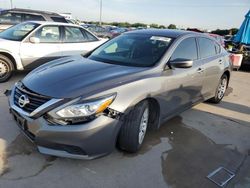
{"x": 30, "y": 44}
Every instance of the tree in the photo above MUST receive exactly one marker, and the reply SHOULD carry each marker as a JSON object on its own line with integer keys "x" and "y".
{"x": 223, "y": 32}
{"x": 138, "y": 25}
{"x": 154, "y": 25}
{"x": 172, "y": 26}
{"x": 162, "y": 27}
{"x": 234, "y": 31}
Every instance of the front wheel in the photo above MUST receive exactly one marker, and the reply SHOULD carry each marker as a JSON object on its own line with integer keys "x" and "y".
{"x": 221, "y": 90}
{"x": 6, "y": 68}
{"x": 134, "y": 128}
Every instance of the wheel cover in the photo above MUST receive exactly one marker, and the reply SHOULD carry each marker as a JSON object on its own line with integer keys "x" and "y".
{"x": 143, "y": 125}
{"x": 222, "y": 88}
{"x": 4, "y": 69}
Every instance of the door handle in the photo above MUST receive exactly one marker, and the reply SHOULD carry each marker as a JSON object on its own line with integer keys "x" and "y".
{"x": 220, "y": 61}
{"x": 200, "y": 70}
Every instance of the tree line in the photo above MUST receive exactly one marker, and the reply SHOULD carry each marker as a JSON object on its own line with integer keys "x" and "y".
{"x": 221, "y": 32}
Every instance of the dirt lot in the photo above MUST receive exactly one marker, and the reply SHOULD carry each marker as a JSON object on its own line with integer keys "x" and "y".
{"x": 181, "y": 154}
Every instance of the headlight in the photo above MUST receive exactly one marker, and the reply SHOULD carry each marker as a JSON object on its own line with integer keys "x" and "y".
{"x": 86, "y": 109}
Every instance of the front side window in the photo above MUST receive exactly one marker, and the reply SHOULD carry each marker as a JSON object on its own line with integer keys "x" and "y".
{"x": 74, "y": 34}
{"x": 10, "y": 18}
{"x": 18, "y": 32}
{"x": 132, "y": 50}
{"x": 207, "y": 48}
{"x": 187, "y": 49}
{"x": 48, "y": 34}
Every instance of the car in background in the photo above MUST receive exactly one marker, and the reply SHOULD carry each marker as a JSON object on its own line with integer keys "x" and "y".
{"x": 118, "y": 31}
{"x": 30, "y": 44}
{"x": 228, "y": 40}
{"x": 219, "y": 38}
{"x": 100, "y": 31}
{"x": 15, "y": 16}
{"x": 228, "y": 37}
{"x": 84, "y": 106}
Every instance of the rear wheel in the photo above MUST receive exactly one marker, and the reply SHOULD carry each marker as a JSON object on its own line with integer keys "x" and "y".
{"x": 6, "y": 68}
{"x": 134, "y": 128}
{"x": 221, "y": 90}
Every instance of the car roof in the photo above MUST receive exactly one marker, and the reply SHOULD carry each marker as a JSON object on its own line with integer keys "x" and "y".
{"x": 19, "y": 10}
{"x": 53, "y": 23}
{"x": 173, "y": 33}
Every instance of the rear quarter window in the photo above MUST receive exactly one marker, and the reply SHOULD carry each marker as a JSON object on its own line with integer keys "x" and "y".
{"x": 59, "y": 19}
{"x": 217, "y": 48}
{"x": 90, "y": 37}
{"x": 31, "y": 17}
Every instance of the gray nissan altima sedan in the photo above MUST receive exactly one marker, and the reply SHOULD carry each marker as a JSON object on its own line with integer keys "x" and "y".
{"x": 84, "y": 106}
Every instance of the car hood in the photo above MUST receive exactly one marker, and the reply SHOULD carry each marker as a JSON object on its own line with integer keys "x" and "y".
{"x": 9, "y": 45}
{"x": 77, "y": 76}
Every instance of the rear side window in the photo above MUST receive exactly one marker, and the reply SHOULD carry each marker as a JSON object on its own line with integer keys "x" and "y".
{"x": 74, "y": 34}
{"x": 48, "y": 34}
{"x": 187, "y": 49}
{"x": 31, "y": 17}
{"x": 207, "y": 48}
{"x": 10, "y": 18}
{"x": 58, "y": 19}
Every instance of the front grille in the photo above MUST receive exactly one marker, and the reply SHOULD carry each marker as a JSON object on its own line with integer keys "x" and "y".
{"x": 35, "y": 100}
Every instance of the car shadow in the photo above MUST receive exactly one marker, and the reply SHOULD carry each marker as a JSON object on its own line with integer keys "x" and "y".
{"x": 234, "y": 107}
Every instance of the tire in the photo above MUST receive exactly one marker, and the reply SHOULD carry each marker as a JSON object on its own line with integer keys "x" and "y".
{"x": 6, "y": 68}
{"x": 135, "y": 124}
{"x": 221, "y": 89}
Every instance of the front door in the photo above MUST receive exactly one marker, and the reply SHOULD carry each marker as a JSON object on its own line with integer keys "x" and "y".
{"x": 183, "y": 85}
{"x": 46, "y": 49}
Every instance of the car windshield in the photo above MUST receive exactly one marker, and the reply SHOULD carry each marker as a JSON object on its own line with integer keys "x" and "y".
{"x": 18, "y": 32}
{"x": 132, "y": 50}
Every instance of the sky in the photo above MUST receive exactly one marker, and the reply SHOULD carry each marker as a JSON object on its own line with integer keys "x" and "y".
{"x": 205, "y": 14}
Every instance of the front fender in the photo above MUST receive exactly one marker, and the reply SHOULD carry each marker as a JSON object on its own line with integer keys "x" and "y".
{"x": 16, "y": 57}
{"x": 130, "y": 94}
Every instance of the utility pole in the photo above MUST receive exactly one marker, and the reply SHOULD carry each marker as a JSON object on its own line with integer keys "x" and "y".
{"x": 11, "y": 4}
{"x": 100, "y": 21}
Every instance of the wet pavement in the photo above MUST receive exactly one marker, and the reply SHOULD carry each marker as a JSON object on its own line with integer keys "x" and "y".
{"x": 180, "y": 154}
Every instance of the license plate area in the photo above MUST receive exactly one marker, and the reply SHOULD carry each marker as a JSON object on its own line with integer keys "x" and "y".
{"x": 21, "y": 122}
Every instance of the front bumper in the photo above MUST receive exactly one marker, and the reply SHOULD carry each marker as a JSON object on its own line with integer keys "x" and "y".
{"x": 86, "y": 141}
{"x": 83, "y": 141}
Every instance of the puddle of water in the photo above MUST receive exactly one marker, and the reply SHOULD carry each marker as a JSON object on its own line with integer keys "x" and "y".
{"x": 21, "y": 146}
{"x": 193, "y": 156}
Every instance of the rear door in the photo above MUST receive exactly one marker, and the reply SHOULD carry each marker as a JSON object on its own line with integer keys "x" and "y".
{"x": 183, "y": 85}
{"x": 35, "y": 54}
{"x": 76, "y": 41}
{"x": 213, "y": 62}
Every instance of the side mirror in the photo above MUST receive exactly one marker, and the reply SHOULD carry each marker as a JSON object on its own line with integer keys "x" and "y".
{"x": 34, "y": 40}
{"x": 181, "y": 63}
